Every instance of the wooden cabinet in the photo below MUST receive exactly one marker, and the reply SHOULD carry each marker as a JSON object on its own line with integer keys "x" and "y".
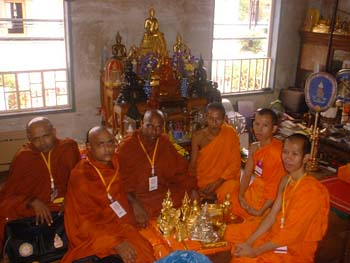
{"x": 314, "y": 52}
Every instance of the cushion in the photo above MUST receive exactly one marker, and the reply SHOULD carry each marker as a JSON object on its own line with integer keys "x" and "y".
{"x": 344, "y": 173}
{"x": 338, "y": 193}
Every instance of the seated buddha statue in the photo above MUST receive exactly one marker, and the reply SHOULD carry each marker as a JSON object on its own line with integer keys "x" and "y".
{"x": 153, "y": 40}
{"x": 199, "y": 86}
{"x": 168, "y": 84}
{"x": 118, "y": 49}
{"x": 179, "y": 47}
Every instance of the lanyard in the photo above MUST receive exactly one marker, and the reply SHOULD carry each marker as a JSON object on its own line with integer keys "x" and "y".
{"x": 48, "y": 165}
{"x": 284, "y": 197}
{"x": 104, "y": 182}
{"x": 148, "y": 157}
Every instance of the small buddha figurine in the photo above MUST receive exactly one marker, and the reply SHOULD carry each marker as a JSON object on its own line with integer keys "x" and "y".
{"x": 179, "y": 47}
{"x": 185, "y": 208}
{"x": 133, "y": 56}
{"x": 153, "y": 40}
{"x": 118, "y": 49}
{"x": 229, "y": 217}
{"x": 168, "y": 85}
{"x": 165, "y": 220}
{"x": 200, "y": 83}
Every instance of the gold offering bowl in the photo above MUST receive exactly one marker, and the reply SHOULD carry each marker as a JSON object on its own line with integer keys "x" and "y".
{"x": 216, "y": 214}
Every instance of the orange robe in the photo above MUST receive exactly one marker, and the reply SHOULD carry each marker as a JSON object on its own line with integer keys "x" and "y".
{"x": 91, "y": 225}
{"x": 221, "y": 158}
{"x": 170, "y": 168}
{"x": 265, "y": 186}
{"x": 306, "y": 221}
{"x": 30, "y": 178}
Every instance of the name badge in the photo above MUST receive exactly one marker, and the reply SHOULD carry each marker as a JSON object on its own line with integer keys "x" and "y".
{"x": 153, "y": 183}
{"x": 281, "y": 250}
{"x": 258, "y": 170}
{"x": 118, "y": 209}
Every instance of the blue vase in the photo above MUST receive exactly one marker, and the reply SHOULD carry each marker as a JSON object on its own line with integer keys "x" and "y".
{"x": 147, "y": 88}
{"x": 184, "y": 86}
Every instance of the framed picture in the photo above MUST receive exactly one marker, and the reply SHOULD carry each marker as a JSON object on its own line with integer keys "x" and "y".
{"x": 343, "y": 81}
{"x": 320, "y": 91}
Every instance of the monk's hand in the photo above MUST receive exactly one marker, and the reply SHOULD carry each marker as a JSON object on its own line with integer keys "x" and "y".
{"x": 243, "y": 202}
{"x": 244, "y": 250}
{"x": 140, "y": 213}
{"x": 253, "y": 211}
{"x": 42, "y": 212}
{"x": 127, "y": 252}
{"x": 211, "y": 188}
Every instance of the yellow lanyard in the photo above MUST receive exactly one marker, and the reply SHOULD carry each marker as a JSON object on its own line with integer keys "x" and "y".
{"x": 48, "y": 165}
{"x": 148, "y": 157}
{"x": 104, "y": 182}
{"x": 284, "y": 197}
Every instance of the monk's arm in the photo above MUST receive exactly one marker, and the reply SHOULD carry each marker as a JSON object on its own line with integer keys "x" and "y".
{"x": 247, "y": 174}
{"x": 140, "y": 212}
{"x": 194, "y": 152}
{"x": 268, "y": 203}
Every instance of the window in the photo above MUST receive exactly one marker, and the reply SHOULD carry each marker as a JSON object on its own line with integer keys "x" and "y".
{"x": 34, "y": 72}
{"x": 14, "y": 11}
{"x": 241, "y": 55}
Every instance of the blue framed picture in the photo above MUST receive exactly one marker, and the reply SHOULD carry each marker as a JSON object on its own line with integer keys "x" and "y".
{"x": 320, "y": 91}
{"x": 343, "y": 82}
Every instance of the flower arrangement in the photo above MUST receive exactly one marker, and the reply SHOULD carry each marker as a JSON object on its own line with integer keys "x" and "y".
{"x": 183, "y": 63}
{"x": 148, "y": 63}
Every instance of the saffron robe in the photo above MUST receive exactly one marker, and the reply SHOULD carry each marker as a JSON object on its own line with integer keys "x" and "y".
{"x": 306, "y": 221}
{"x": 91, "y": 225}
{"x": 170, "y": 168}
{"x": 221, "y": 158}
{"x": 265, "y": 185}
{"x": 29, "y": 178}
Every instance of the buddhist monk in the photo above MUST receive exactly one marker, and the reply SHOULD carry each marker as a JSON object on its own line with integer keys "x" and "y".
{"x": 149, "y": 166}
{"x": 215, "y": 155}
{"x": 264, "y": 168}
{"x": 38, "y": 175}
{"x": 98, "y": 219}
{"x": 298, "y": 218}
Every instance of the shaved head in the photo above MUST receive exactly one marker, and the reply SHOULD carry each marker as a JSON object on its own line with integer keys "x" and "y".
{"x": 41, "y": 133}
{"x": 152, "y": 125}
{"x": 41, "y": 121}
{"x": 153, "y": 113}
{"x": 101, "y": 144}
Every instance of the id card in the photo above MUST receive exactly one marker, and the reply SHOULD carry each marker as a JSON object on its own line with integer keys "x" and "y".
{"x": 258, "y": 170}
{"x": 153, "y": 183}
{"x": 281, "y": 250}
{"x": 118, "y": 209}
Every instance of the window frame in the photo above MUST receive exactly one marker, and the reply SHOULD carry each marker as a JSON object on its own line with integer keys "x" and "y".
{"x": 271, "y": 53}
{"x": 70, "y": 106}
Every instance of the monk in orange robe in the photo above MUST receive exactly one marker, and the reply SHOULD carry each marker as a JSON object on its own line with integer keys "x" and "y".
{"x": 28, "y": 190}
{"x": 298, "y": 218}
{"x": 149, "y": 166}
{"x": 264, "y": 166}
{"x": 98, "y": 218}
{"x": 215, "y": 156}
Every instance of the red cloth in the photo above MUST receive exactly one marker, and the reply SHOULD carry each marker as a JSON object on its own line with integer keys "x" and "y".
{"x": 339, "y": 192}
{"x": 170, "y": 167}
{"x": 30, "y": 178}
{"x": 91, "y": 225}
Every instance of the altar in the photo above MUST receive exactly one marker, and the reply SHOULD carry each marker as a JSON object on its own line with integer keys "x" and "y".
{"x": 149, "y": 77}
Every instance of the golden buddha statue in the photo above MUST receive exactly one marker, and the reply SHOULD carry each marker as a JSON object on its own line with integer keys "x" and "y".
{"x": 185, "y": 208}
{"x": 179, "y": 47}
{"x": 118, "y": 49}
{"x": 153, "y": 40}
{"x": 166, "y": 219}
